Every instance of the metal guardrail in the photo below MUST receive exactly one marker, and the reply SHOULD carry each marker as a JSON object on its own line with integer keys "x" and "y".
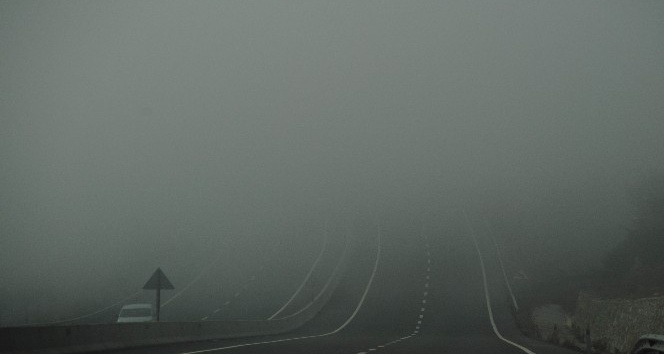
{"x": 649, "y": 344}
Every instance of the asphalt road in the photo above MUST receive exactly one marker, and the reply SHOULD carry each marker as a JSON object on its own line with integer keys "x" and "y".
{"x": 411, "y": 288}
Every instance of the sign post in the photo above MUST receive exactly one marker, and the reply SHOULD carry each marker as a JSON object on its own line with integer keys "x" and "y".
{"x": 157, "y": 282}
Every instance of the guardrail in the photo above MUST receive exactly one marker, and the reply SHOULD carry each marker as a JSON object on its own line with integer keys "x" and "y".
{"x": 88, "y": 338}
{"x": 649, "y": 344}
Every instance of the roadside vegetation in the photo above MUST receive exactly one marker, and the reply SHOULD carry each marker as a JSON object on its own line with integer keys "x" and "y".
{"x": 635, "y": 267}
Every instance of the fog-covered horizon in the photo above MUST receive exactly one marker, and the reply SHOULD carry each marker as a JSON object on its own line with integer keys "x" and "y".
{"x": 143, "y": 134}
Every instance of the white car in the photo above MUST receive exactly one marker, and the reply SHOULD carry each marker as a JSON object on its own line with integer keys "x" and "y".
{"x": 136, "y": 313}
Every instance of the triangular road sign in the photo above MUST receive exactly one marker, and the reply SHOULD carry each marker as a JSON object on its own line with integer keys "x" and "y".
{"x": 158, "y": 280}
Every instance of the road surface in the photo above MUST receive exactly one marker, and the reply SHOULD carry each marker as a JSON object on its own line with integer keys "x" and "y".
{"x": 412, "y": 288}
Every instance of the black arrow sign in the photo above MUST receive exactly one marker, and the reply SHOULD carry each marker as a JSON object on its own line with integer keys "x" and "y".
{"x": 158, "y": 281}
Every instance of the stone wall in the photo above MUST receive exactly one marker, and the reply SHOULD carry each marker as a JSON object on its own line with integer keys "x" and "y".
{"x": 616, "y": 324}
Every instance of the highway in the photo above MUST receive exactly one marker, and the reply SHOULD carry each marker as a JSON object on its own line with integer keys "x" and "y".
{"x": 411, "y": 287}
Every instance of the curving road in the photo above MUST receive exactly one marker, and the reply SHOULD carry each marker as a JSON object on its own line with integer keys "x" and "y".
{"x": 410, "y": 289}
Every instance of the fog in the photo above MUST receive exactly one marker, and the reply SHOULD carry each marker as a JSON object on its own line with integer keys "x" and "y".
{"x": 162, "y": 133}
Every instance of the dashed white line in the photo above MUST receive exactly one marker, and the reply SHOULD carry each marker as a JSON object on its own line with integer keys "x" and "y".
{"x": 226, "y": 303}
{"x": 217, "y": 310}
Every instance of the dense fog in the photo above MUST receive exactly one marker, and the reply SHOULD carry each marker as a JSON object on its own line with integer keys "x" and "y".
{"x": 137, "y": 135}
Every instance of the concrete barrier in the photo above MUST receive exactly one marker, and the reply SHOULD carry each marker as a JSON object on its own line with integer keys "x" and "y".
{"x": 89, "y": 338}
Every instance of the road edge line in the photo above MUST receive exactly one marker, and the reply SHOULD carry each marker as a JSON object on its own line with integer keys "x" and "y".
{"x": 486, "y": 290}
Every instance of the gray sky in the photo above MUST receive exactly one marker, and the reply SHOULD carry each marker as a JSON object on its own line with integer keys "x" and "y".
{"x": 195, "y": 124}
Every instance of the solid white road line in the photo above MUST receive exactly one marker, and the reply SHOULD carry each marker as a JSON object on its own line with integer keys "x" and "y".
{"x": 91, "y": 313}
{"x": 352, "y": 316}
{"x": 502, "y": 267}
{"x": 306, "y": 278}
{"x": 327, "y": 283}
{"x": 486, "y": 291}
{"x": 192, "y": 282}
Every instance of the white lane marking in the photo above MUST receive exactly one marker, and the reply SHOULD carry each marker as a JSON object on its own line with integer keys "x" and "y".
{"x": 217, "y": 310}
{"x": 91, "y": 313}
{"x": 428, "y": 277}
{"x": 428, "y": 269}
{"x": 426, "y": 293}
{"x": 306, "y": 278}
{"x": 424, "y": 301}
{"x": 502, "y": 267}
{"x": 422, "y": 309}
{"x": 236, "y": 294}
{"x": 486, "y": 291}
{"x": 421, "y": 316}
{"x": 352, "y": 316}
{"x": 426, "y": 285}
{"x": 372, "y": 349}
{"x": 428, "y": 261}
{"x": 381, "y": 346}
{"x": 192, "y": 282}
{"x": 226, "y": 303}
{"x": 324, "y": 288}
{"x": 419, "y": 322}
{"x": 204, "y": 318}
